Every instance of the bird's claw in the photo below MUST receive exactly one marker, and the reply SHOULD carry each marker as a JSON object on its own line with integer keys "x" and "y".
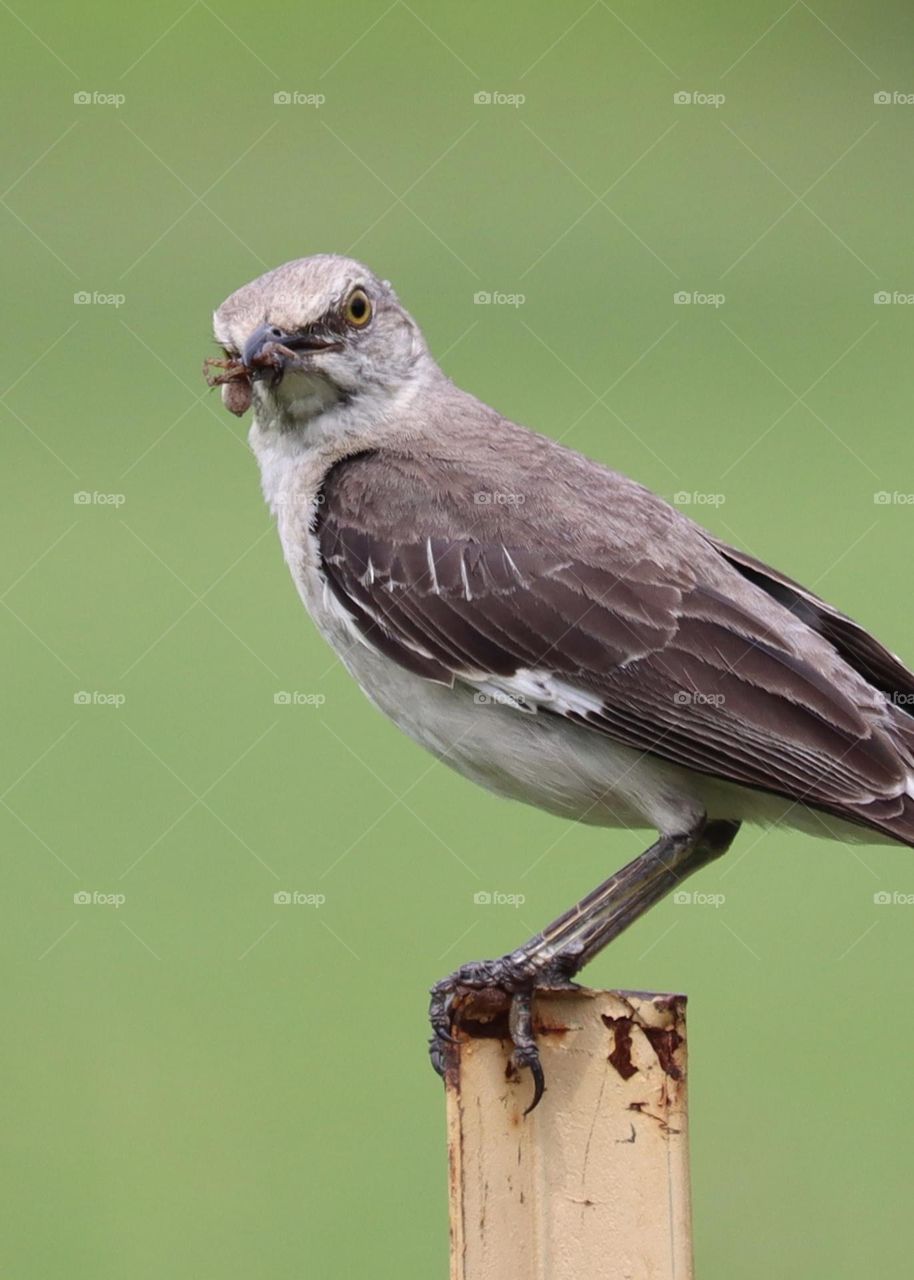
{"x": 530, "y": 1058}
{"x": 482, "y": 991}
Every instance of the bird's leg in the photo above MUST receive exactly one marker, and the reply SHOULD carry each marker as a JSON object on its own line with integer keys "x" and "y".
{"x": 571, "y": 941}
{"x": 552, "y": 957}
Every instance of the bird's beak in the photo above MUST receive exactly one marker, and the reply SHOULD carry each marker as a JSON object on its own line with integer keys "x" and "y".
{"x": 270, "y": 349}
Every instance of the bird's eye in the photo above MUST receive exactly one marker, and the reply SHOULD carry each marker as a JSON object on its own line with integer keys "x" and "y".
{"x": 358, "y": 308}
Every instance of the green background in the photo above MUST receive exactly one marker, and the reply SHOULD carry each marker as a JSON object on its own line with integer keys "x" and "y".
{"x": 200, "y": 1082}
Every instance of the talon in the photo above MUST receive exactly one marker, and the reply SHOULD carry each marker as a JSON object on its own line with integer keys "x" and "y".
{"x": 499, "y": 986}
{"x": 539, "y": 1083}
{"x": 437, "y": 1057}
{"x": 527, "y": 1055}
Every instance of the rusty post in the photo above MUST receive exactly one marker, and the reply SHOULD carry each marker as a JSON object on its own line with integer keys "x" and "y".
{"x": 595, "y": 1181}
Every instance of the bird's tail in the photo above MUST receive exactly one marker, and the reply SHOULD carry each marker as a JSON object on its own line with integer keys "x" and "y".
{"x": 894, "y": 816}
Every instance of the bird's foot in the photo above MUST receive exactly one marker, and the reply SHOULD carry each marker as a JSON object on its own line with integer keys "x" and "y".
{"x": 494, "y": 998}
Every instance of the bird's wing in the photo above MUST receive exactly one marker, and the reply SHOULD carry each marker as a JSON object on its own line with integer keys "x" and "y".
{"x": 860, "y": 650}
{"x": 674, "y": 653}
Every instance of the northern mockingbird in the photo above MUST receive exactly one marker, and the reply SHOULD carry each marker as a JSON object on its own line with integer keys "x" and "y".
{"x": 546, "y": 626}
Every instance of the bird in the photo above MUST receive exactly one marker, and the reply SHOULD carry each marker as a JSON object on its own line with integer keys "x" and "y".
{"x": 546, "y": 626}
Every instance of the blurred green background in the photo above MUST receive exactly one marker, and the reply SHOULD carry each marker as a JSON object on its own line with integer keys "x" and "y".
{"x": 197, "y": 1081}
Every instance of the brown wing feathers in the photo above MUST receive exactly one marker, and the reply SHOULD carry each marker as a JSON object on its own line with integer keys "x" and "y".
{"x": 678, "y": 667}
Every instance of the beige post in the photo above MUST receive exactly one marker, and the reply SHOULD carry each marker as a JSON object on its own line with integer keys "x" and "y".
{"x": 593, "y": 1183}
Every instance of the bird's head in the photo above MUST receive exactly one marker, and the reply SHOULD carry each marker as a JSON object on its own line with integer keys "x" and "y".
{"x": 314, "y": 333}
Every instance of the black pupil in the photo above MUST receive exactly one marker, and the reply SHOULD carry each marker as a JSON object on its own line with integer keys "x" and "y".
{"x": 358, "y": 306}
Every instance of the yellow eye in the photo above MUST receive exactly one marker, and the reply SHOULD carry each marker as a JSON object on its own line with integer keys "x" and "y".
{"x": 358, "y": 308}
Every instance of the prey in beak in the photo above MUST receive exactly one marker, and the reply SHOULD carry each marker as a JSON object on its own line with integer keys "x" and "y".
{"x": 268, "y": 354}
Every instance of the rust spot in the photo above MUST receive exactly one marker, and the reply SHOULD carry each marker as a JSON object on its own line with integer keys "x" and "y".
{"x": 548, "y": 1029}
{"x": 671, "y": 1004}
{"x": 621, "y": 1056}
{"x": 665, "y": 1042}
{"x": 482, "y": 1013}
{"x": 452, "y": 1171}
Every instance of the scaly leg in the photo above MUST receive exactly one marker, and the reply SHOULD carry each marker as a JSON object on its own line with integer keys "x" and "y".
{"x": 552, "y": 958}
